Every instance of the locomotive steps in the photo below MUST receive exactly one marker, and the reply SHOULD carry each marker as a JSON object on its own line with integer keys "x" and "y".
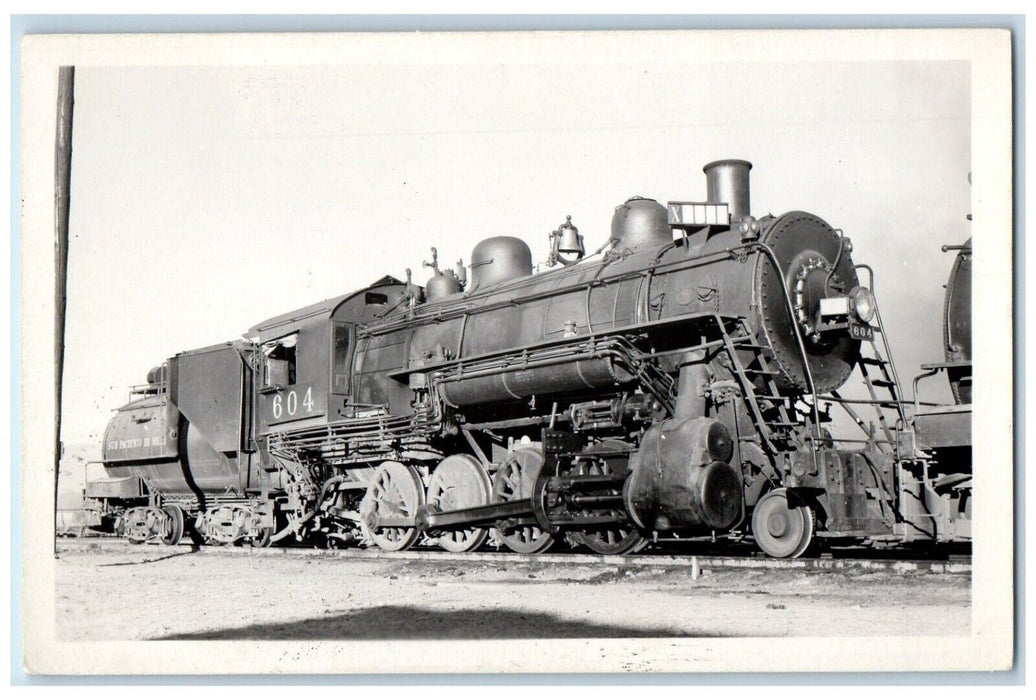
{"x": 954, "y": 565}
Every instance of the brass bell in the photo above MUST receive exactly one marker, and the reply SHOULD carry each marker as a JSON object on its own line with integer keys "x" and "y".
{"x": 570, "y": 241}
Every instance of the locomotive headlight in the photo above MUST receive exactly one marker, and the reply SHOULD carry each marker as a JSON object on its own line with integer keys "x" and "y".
{"x": 863, "y": 304}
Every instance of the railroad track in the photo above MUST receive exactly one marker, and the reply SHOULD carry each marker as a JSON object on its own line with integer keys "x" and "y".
{"x": 953, "y": 564}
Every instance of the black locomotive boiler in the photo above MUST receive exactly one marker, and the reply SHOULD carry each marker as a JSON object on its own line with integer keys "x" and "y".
{"x": 677, "y": 383}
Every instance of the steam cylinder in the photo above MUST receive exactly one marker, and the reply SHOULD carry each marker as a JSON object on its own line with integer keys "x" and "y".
{"x": 682, "y": 478}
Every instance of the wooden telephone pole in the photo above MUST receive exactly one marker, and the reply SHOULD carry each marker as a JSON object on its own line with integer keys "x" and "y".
{"x": 62, "y": 184}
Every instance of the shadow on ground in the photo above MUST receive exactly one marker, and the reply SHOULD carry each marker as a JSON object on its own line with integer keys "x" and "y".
{"x": 410, "y": 622}
{"x": 192, "y": 550}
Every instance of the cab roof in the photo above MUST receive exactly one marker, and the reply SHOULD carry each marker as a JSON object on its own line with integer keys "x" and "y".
{"x": 311, "y": 315}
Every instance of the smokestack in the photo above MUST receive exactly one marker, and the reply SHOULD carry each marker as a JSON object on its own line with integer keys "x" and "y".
{"x": 727, "y": 181}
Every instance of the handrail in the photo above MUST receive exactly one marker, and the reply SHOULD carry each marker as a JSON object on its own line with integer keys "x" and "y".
{"x": 930, "y": 373}
{"x": 885, "y": 341}
{"x": 798, "y": 331}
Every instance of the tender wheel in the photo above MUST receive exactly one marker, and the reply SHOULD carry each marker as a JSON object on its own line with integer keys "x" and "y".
{"x": 516, "y": 480}
{"x": 395, "y": 493}
{"x": 460, "y": 482}
{"x": 174, "y": 528}
{"x": 617, "y": 539}
{"x": 128, "y": 534}
{"x": 783, "y": 530}
{"x": 132, "y": 528}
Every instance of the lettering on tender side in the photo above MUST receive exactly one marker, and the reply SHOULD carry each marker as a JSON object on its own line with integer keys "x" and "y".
{"x": 135, "y": 443}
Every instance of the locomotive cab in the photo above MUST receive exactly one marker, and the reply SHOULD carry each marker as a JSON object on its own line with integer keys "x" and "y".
{"x": 307, "y": 358}
{"x": 293, "y": 376}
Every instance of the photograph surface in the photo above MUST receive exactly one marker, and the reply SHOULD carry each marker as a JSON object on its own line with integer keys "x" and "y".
{"x": 563, "y": 351}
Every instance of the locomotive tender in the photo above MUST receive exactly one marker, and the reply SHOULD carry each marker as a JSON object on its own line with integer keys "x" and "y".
{"x": 677, "y": 383}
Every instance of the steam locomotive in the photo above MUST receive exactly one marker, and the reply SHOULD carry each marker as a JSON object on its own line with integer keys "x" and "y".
{"x": 677, "y": 383}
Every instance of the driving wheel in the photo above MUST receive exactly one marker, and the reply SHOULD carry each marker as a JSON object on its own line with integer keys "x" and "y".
{"x": 390, "y": 505}
{"x": 459, "y": 482}
{"x": 516, "y": 480}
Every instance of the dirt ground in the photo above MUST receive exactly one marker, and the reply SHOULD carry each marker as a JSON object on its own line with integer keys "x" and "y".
{"x": 156, "y": 593}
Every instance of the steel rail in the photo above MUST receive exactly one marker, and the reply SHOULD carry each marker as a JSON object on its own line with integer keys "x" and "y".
{"x": 953, "y": 564}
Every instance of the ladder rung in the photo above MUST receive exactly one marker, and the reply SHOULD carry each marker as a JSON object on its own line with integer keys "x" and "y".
{"x": 882, "y": 382}
{"x": 877, "y": 361}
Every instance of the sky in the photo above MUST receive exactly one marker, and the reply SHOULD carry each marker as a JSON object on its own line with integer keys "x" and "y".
{"x": 205, "y": 199}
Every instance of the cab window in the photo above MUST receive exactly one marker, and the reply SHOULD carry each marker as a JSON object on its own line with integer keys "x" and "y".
{"x": 280, "y": 362}
{"x": 340, "y": 358}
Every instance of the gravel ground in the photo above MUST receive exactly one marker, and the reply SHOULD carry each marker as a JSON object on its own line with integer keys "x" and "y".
{"x": 155, "y": 593}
